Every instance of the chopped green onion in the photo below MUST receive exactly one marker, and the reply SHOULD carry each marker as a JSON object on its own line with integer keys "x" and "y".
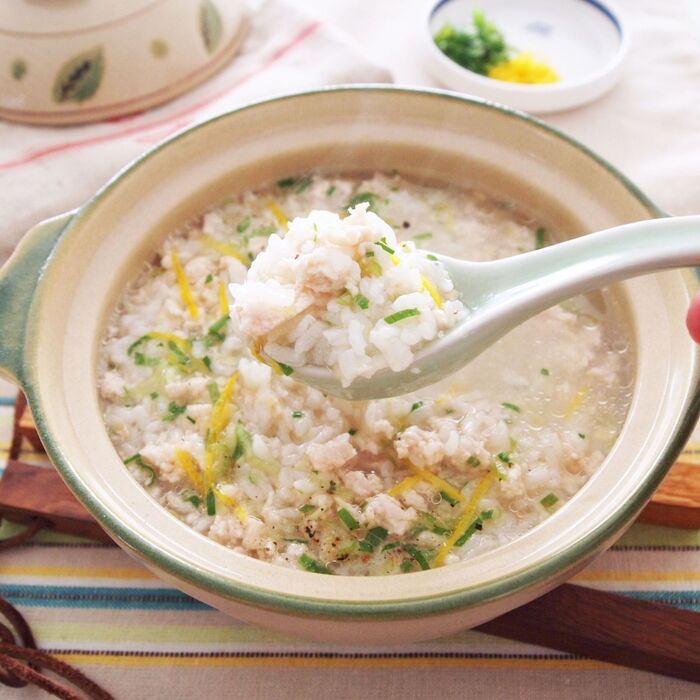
{"x": 138, "y": 461}
{"x": 211, "y": 503}
{"x": 344, "y": 299}
{"x": 207, "y": 361}
{"x": 477, "y": 524}
{"x": 154, "y": 395}
{"x": 136, "y": 343}
{"x": 544, "y": 372}
{"x": 431, "y": 257}
{"x": 434, "y": 525}
{"x": 582, "y": 436}
{"x": 391, "y": 545}
{"x": 373, "y": 538}
{"x": 174, "y": 410}
{"x": 505, "y": 458}
{"x": 244, "y": 442}
{"x": 191, "y": 420}
{"x": 286, "y": 182}
{"x": 286, "y": 369}
{"x": 549, "y": 500}
{"x": 368, "y": 197}
{"x": 303, "y": 184}
{"x": 476, "y": 48}
{"x": 330, "y": 190}
{"x": 346, "y": 516}
{"x": 511, "y": 406}
{"x": 416, "y": 406}
{"x": 307, "y": 508}
{"x": 448, "y": 499}
{"x": 500, "y": 473}
{"x": 406, "y": 565}
{"x": 401, "y": 315}
{"x": 214, "y": 393}
{"x": 195, "y": 500}
{"x": 417, "y": 555}
{"x": 297, "y": 414}
{"x": 473, "y": 461}
{"x": 369, "y": 254}
{"x": 312, "y": 565}
{"x": 362, "y": 301}
{"x": 243, "y": 225}
{"x": 296, "y": 540}
{"x": 422, "y": 236}
{"x": 539, "y": 238}
{"x": 214, "y": 334}
{"x": 261, "y": 232}
{"x": 352, "y": 431}
{"x": 141, "y": 360}
{"x": 209, "y": 278}
{"x": 382, "y": 244}
{"x": 182, "y": 358}
{"x": 373, "y": 268}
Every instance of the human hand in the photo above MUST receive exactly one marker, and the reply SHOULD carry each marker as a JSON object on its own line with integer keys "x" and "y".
{"x": 693, "y": 318}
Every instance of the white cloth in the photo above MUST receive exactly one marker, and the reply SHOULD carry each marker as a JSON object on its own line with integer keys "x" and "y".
{"x": 46, "y": 170}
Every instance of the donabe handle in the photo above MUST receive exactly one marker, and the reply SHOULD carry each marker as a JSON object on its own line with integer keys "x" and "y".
{"x": 18, "y": 280}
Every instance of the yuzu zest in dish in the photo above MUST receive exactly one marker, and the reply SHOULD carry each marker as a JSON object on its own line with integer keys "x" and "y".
{"x": 222, "y": 435}
{"x": 344, "y": 293}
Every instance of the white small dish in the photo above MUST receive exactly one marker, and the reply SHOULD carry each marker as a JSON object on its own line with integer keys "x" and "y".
{"x": 585, "y": 41}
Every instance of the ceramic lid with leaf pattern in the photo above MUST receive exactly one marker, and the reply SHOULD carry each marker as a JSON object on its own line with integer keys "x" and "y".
{"x": 64, "y": 61}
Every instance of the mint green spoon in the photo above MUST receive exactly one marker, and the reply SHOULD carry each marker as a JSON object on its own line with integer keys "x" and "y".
{"x": 503, "y": 293}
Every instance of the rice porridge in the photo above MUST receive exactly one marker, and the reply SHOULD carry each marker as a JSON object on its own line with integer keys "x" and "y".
{"x": 223, "y": 436}
{"x": 343, "y": 293}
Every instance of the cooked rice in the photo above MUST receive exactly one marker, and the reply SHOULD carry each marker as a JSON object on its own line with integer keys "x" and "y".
{"x": 343, "y": 293}
{"x": 274, "y": 469}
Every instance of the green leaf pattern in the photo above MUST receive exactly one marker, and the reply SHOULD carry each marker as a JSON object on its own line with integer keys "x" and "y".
{"x": 18, "y": 68}
{"x": 79, "y": 78}
{"x": 210, "y": 25}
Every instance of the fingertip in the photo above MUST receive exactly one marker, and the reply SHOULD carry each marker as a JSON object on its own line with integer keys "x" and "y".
{"x": 693, "y": 318}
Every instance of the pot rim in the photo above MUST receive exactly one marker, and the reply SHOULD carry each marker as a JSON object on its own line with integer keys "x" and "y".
{"x": 532, "y": 577}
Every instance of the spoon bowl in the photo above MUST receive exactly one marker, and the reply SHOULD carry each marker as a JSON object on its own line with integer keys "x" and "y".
{"x": 501, "y": 294}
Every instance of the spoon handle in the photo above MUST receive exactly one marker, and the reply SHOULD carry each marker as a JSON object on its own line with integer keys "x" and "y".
{"x": 545, "y": 277}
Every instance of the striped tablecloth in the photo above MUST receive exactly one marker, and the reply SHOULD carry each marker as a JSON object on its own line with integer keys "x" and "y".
{"x": 94, "y": 606}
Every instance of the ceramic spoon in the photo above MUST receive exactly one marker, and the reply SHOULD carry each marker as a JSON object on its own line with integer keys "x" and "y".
{"x": 503, "y": 293}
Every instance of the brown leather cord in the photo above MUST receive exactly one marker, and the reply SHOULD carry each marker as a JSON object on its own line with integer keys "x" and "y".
{"x": 22, "y": 663}
{"x": 10, "y": 653}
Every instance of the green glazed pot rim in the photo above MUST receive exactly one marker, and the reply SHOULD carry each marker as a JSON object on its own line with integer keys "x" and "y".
{"x": 406, "y": 608}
